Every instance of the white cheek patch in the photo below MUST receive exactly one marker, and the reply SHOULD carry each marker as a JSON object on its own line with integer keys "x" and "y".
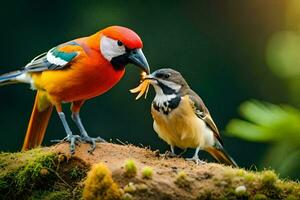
{"x": 110, "y": 48}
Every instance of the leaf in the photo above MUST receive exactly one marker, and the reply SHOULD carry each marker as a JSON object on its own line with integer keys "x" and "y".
{"x": 266, "y": 122}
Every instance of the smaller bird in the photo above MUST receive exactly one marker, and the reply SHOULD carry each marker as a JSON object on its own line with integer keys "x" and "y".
{"x": 181, "y": 119}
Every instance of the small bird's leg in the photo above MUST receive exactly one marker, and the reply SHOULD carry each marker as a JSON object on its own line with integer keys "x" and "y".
{"x": 170, "y": 154}
{"x": 70, "y": 137}
{"x": 195, "y": 158}
{"x": 172, "y": 149}
{"x": 84, "y": 135}
{"x": 173, "y": 152}
{"x": 179, "y": 155}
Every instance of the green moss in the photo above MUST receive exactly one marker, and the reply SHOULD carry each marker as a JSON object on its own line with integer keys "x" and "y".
{"x": 127, "y": 196}
{"x": 147, "y": 172}
{"x": 249, "y": 177}
{"x": 35, "y": 173}
{"x": 99, "y": 184}
{"x": 204, "y": 195}
{"x": 260, "y": 197}
{"x": 268, "y": 178}
{"x": 291, "y": 197}
{"x": 30, "y": 175}
{"x": 269, "y": 184}
{"x": 76, "y": 173}
{"x": 51, "y": 195}
{"x": 130, "y": 168}
{"x": 25, "y": 171}
{"x": 142, "y": 187}
{"x": 240, "y": 172}
{"x": 182, "y": 180}
{"x": 130, "y": 188}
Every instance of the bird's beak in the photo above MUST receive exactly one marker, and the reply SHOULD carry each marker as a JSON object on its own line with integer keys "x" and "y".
{"x": 137, "y": 58}
{"x": 150, "y": 77}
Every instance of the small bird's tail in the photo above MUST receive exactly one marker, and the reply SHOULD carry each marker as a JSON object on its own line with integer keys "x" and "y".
{"x": 38, "y": 123}
{"x": 219, "y": 153}
{"x": 10, "y": 78}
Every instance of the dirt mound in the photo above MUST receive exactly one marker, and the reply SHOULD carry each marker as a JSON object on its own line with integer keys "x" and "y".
{"x": 132, "y": 173}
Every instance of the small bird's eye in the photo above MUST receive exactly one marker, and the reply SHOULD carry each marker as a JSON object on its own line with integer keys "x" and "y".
{"x": 120, "y": 43}
{"x": 162, "y": 75}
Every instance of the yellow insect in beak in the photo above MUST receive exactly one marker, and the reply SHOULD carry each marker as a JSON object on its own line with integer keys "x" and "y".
{"x": 142, "y": 88}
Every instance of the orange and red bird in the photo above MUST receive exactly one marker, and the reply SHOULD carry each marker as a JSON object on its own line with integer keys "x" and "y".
{"x": 74, "y": 72}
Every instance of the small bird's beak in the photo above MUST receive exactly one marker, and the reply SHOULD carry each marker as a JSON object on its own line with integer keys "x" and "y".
{"x": 150, "y": 77}
{"x": 137, "y": 58}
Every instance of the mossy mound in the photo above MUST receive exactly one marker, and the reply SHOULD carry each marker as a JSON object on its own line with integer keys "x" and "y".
{"x": 99, "y": 184}
{"x": 40, "y": 174}
{"x": 51, "y": 173}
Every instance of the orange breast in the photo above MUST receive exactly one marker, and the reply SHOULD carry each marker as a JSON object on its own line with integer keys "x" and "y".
{"x": 89, "y": 76}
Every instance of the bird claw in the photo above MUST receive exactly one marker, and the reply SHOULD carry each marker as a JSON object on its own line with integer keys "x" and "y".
{"x": 72, "y": 139}
{"x": 92, "y": 141}
{"x": 169, "y": 154}
{"x": 196, "y": 160}
{"x": 76, "y": 139}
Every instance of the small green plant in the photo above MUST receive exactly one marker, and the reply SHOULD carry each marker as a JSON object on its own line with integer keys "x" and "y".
{"x": 130, "y": 188}
{"x": 99, "y": 184}
{"x": 249, "y": 177}
{"x": 204, "y": 195}
{"x": 51, "y": 195}
{"x": 147, "y": 172}
{"x": 34, "y": 171}
{"x": 127, "y": 196}
{"x": 130, "y": 168}
{"x": 291, "y": 197}
{"x": 142, "y": 187}
{"x": 278, "y": 125}
{"x": 182, "y": 180}
{"x": 268, "y": 178}
{"x": 260, "y": 197}
{"x": 76, "y": 173}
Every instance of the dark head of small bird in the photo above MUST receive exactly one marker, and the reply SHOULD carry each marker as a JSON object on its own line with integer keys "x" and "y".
{"x": 167, "y": 80}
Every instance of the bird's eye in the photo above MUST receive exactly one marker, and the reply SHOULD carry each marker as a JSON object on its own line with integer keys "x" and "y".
{"x": 162, "y": 75}
{"x": 120, "y": 43}
{"x": 166, "y": 76}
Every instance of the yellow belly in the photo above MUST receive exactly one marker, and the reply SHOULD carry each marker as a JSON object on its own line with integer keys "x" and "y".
{"x": 181, "y": 127}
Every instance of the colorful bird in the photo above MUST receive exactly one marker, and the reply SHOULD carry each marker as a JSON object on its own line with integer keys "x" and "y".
{"x": 181, "y": 119}
{"x": 74, "y": 72}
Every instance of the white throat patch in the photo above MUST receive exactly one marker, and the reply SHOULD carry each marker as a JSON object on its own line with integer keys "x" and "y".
{"x": 160, "y": 98}
{"x": 110, "y": 48}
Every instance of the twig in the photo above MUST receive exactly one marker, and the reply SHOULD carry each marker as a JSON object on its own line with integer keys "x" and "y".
{"x": 58, "y": 176}
{"x": 118, "y": 140}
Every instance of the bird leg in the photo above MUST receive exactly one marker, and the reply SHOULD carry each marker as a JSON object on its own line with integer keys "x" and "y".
{"x": 70, "y": 137}
{"x": 171, "y": 154}
{"x": 172, "y": 149}
{"x": 84, "y": 136}
{"x": 195, "y": 158}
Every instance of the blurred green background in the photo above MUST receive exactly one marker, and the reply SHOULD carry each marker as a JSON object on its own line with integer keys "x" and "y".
{"x": 229, "y": 52}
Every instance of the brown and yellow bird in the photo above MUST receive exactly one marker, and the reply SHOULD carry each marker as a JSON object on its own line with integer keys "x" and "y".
{"x": 181, "y": 119}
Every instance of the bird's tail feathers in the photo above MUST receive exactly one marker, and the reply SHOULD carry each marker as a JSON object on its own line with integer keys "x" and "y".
{"x": 38, "y": 123}
{"x": 219, "y": 153}
{"x": 10, "y": 78}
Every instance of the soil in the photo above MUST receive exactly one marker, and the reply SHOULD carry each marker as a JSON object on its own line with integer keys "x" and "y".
{"x": 205, "y": 181}
{"x": 53, "y": 173}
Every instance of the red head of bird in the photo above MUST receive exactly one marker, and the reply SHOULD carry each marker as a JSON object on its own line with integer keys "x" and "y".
{"x": 120, "y": 46}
